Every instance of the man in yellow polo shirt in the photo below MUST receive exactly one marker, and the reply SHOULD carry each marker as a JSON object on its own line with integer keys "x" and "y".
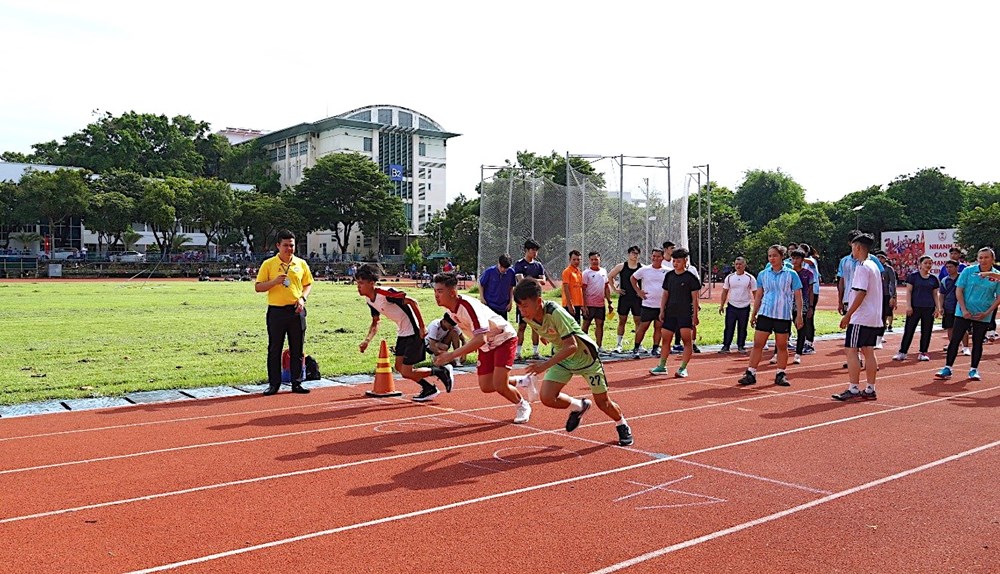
{"x": 287, "y": 281}
{"x": 572, "y": 286}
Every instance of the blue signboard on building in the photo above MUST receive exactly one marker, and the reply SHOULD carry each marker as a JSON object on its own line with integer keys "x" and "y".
{"x": 395, "y": 172}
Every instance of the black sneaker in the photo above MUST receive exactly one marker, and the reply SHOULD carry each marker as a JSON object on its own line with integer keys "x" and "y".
{"x": 271, "y": 389}
{"x": 655, "y": 351}
{"x": 299, "y": 389}
{"x": 781, "y": 380}
{"x": 445, "y": 374}
{"x": 696, "y": 349}
{"x": 724, "y": 350}
{"x": 848, "y": 395}
{"x": 624, "y": 435}
{"x": 427, "y": 393}
{"x": 573, "y": 420}
{"x": 869, "y": 395}
{"x": 748, "y": 379}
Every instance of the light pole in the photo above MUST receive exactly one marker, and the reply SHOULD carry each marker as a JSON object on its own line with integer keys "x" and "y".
{"x": 857, "y": 216}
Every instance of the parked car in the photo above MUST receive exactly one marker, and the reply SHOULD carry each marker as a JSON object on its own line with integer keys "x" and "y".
{"x": 129, "y": 257}
{"x": 65, "y": 253}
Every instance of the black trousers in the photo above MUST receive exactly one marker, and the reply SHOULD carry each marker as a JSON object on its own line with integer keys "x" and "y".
{"x": 284, "y": 322}
{"x": 978, "y": 329}
{"x": 925, "y": 315}
{"x": 736, "y": 319}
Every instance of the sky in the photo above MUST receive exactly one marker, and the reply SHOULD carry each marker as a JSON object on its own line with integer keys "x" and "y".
{"x": 840, "y": 96}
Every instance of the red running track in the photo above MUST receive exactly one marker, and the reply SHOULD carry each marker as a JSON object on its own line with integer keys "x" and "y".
{"x": 720, "y": 479}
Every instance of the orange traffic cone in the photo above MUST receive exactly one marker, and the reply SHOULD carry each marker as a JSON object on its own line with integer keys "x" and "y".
{"x": 384, "y": 385}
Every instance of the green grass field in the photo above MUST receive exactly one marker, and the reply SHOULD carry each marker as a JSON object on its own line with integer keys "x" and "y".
{"x": 93, "y": 339}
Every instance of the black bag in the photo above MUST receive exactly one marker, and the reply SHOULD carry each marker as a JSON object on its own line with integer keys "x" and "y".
{"x": 312, "y": 369}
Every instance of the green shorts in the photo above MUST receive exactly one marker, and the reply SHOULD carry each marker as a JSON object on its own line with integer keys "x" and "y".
{"x": 594, "y": 374}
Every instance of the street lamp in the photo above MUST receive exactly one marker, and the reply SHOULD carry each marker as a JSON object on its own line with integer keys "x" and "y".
{"x": 857, "y": 216}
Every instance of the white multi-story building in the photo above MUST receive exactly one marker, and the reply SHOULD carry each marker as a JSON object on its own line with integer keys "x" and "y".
{"x": 390, "y": 136}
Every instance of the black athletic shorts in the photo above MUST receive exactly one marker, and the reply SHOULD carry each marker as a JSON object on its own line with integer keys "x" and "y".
{"x": 859, "y": 336}
{"x": 674, "y": 324}
{"x": 596, "y": 313}
{"x": 648, "y": 314}
{"x": 948, "y": 321}
{"x": 576, "y": 313}
{"x": 411, "y": 348}
{"x": 776, "y": 326}
{"x": 628, "y": 305}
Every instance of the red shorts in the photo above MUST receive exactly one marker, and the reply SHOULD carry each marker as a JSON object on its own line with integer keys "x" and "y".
{"x": 502, "y": 356}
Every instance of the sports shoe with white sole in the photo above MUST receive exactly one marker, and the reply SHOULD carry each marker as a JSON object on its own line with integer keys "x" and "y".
{"x": 624, "y": 435}
{"x": 523, "y": 412}
{"x": 923, "y": 357}
{"x": 427, "y": 392}
{"x": 974, "y": 375}
{"x": 900, "y": 356}
{"x": 573, "y": 420}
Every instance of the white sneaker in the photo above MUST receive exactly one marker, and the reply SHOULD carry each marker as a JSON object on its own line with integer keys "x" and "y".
{"x": 523, "y": 413}
{"x": 899, "y": 356}
{"x": 880, "y": 344}
{"x": 966, "y": 352}
{"x": 923, "y": 357}
{"x": 774, "y": 359}
{"x": 617, "y": 349}
{"x": 798, "y": 359}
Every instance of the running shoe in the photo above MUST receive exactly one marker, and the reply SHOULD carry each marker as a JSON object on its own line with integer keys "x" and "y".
{"x": 944, "y": 373}
{"x": 974, "y": 375}
{"x": 638, "y": 351}
{"x": 297, "y": 388}
{"x": 677, "y": 349}
{"x": 658, "y": 370}
{"x": 446, "y": 374}
{"x": 655, "y": 351}
{"x": 774, "y": 359}
{"x": 869, "y": 395}
{"x": 617, "y": 349}
{"x": 536, "y": 357}
{"x": 966, "y": 352}
{"x": 428, "y": 392}
{"x": 681, "y": 373}
{"x": 797, "y": 359}
{"x": 748, "y": 379}
{"x": 742, "y": 351}
{"x": 624, "y": 435}
{"x": 523, "y": 412}
{"x": 724, "y": 351}
{"x": 573, "y": 420}
{"x": 880, "y": 343}
{"x": 809, "y": 350}
{"x": 900, "y": 356}
{"x": 782, "y": 380}
{"x": 923, "y": 357}
{"x": 847, "y": 395}
{"x": 695, "y": 348}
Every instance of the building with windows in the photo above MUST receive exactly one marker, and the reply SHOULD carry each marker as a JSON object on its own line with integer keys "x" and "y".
{"x": 406, "y": 144}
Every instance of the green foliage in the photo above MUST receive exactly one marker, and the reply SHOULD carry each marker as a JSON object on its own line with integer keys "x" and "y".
{"x": 552, "y": 166}
{"x": 981, "y": 195}
{"x": 932, "y": 199}
{"x": 54, "y": 196}
{"x": 110, "y": 215}
{"x": 129, "y": 238}
{"x": 347, "y": 190}
{"x": 213, "y": 207}
{"x": 246, "y": 163}
{"x": 259, "y": 217}
{"x": 979, "y": 228}
{"x": 456, "y": 229}
{"x": 413, "y": 255}
{"x": 764, "y": 195}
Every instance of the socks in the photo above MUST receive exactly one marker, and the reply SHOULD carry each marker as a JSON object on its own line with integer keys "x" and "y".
{"x": 752, "y": 371}
{"x": 621, "y": 421}
{"x": 620, "y": 337}
{"x": 854, "y": 388}
{"x": 517, "y": 352}
{"x": 684, "y": 365}
{"x": 663, "y": 363}
{"x": 536, "y": 349}
{"x": 870, "y": 389}
{"x": 780, "y": 371}
{"x": 575, "y": 405}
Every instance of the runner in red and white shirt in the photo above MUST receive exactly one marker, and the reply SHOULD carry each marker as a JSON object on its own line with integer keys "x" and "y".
{"x": 490, "y": 334}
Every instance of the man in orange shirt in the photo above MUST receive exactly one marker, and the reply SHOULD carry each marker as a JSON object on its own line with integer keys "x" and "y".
{"x": 572, "y": 286}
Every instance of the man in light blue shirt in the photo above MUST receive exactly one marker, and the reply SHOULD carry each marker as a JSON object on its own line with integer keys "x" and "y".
{"x": 978, "y": 298}
{"x": 845, "y": 272}
{"x": 779, "y": 290}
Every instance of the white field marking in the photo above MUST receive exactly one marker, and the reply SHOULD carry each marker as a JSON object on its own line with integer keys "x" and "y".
{"x": 240, "y": 413}
{"x": 182, "y": 420}
{"x": 660, "y": 455}
{"x": 790, "y": 511}
{"x": 578, "y": 478}
{"x": 497, "y": 455}
{"x": 335, "y": 428}
{"x": 388, "y": 428}
{"x": 747, "y": 410}
{"x": 650, "y": 487}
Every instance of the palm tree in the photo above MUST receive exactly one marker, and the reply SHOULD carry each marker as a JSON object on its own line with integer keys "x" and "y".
{"x": 178, "y": 242}
{"x": 25, "y": 238}
{"x": 129, "y": 238}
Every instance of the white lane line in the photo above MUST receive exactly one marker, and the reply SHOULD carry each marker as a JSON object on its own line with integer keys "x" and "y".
{"x": 325, "y": 406}
{"x": 327, "y": 429}
{"x": 551, "y": 484}
{"x": 790, "y": 511}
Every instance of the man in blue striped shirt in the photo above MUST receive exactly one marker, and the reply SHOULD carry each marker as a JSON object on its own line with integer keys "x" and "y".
{"x": 778, "y": 296}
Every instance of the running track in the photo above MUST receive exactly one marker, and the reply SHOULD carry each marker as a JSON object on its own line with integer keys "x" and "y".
{"x": 720, "y": 479}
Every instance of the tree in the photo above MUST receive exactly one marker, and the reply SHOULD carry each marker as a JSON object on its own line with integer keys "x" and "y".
{"x": 764, "y": 195}
{"x": 9, "y": 205}
{"x": 247, "y": 163}
{"x": 212, "y": 207}
{"x": 345, "y": 190}
{"x": 979, "y": 228}
{"x": 414, "y": 255}
{"x": 25, "y": 238}
{"x": 129, "y": 238}
{"x": 259, "y": 217}
{"x": 164, "y": 205}
{"x": 456, "y": 229}
{"x": 981, "y": 195}
{"x": 16, "y": 157}
{"x": 55, "y": 196}
{"x": 110, "y": 215}
{"x": 932, "y": 199}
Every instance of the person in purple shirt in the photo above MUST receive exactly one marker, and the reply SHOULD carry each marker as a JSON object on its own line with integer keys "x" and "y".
{"x": 528, "y": 267}
{"x": 496, "y": 286}
{"x": 923, "y": 306}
